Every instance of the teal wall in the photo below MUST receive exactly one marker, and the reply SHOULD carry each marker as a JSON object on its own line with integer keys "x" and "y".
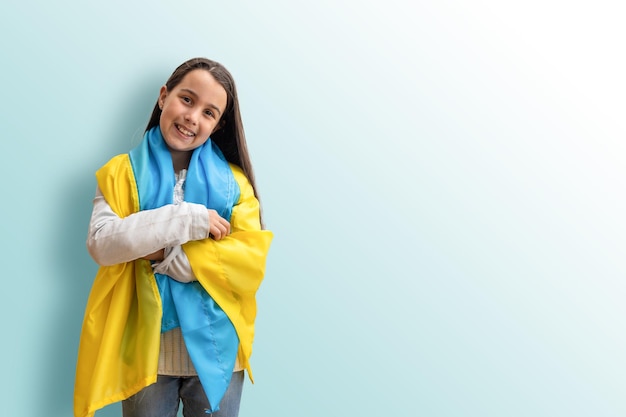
{"x": 445, "y": 181}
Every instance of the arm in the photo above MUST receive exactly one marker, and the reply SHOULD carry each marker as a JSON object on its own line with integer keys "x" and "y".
{"x": 112, "y": 239}
{"x": 175, "y": 264}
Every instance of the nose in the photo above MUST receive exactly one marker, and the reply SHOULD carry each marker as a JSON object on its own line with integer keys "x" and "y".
{"x": 192, "y": 117}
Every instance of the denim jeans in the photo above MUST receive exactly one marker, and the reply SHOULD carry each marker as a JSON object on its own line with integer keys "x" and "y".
{"x": 162, "y": 398}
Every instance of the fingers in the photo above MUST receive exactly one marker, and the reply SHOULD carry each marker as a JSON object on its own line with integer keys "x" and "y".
{"x": 219, "y": 227}
{"x": 156, "y": 256}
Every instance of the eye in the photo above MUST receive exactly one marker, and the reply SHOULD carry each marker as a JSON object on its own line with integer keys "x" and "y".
{"x": 209, "y": 113}
{"x": 186, "y": 99}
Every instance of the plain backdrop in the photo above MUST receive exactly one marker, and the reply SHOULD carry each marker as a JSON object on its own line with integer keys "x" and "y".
{"x": 444, "y": 179}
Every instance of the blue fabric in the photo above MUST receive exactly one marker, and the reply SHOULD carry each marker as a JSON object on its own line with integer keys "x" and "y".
{"x": 209, "y": 335}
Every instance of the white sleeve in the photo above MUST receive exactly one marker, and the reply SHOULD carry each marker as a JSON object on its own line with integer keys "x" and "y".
{"x": 176, "y": 265}
{"x": 112, "y": 239}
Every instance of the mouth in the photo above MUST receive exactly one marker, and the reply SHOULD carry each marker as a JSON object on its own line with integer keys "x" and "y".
{"x": 186, "y": 132}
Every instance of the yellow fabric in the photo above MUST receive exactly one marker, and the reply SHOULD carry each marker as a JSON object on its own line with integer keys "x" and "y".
{"x": 119, "y": 345}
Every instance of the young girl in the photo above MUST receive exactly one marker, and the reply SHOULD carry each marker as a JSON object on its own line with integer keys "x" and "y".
{"x": 176, "y": 228}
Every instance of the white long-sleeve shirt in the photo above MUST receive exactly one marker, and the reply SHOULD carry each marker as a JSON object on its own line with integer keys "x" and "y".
{"x": 112, "y": 240}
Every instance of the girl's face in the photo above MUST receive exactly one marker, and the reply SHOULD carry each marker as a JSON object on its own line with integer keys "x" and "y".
{"x": 191, "y": 111}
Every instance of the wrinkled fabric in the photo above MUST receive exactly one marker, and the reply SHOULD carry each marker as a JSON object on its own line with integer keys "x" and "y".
{"x": 119, "y": 346}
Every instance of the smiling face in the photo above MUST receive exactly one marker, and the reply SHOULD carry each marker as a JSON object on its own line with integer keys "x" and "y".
{"x": 191, "y": 112}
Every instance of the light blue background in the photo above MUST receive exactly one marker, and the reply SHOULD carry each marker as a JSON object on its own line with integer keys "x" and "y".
{"x": 445, "y": 181}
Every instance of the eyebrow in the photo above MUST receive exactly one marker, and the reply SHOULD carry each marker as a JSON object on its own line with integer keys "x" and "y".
{"x": 193, "y": 93}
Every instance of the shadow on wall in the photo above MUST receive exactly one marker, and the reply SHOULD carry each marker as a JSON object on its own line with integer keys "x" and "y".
{"x": 73, "y": 264}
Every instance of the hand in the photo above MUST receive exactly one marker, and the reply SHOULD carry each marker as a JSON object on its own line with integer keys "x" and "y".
{"x": 219, "y": 227}
{"x": 156, "y": 256}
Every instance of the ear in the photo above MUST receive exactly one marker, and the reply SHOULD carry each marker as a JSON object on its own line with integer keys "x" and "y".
{"x": 162, "y": 96}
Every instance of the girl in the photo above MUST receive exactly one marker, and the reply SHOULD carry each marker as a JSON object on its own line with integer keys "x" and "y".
{"x": 176, "y": 230}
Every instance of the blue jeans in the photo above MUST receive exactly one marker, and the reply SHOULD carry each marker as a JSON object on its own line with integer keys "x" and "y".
{"x": 162, "y": 398}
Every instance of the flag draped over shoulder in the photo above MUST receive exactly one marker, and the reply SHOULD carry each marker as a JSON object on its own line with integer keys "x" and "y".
{"x": 119, "y": 345}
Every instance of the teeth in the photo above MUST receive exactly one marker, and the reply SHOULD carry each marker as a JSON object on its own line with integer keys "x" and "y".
{"x": 184, "y": 131}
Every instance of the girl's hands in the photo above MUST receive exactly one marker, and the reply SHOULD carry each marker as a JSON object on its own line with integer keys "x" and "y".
{"x": 219, "y": 227}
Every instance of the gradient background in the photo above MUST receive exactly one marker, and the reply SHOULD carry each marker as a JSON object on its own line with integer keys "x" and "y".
{"x": 445, "y": 181}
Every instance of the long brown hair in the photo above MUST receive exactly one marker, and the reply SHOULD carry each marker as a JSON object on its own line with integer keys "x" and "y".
{"x": 230, "y": 138}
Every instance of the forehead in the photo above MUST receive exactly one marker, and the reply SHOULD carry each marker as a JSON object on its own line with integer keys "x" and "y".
{"x": 204, "y": 86}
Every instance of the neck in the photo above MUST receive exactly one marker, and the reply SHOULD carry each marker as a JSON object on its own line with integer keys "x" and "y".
{"x": 180, "y": 159}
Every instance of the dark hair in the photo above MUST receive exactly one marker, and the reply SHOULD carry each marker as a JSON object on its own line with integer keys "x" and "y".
{"x": 230, "y": 137}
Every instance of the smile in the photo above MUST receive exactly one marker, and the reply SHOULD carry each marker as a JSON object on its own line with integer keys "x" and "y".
{"x": 184, "y": 131}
